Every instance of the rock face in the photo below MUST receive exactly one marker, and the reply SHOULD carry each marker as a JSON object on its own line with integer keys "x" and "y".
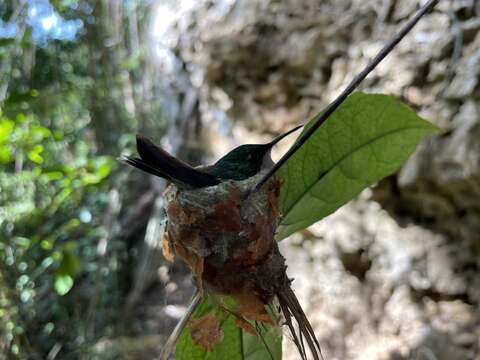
{"x": 381, "y": 290}
{"x": 394, "y": 274}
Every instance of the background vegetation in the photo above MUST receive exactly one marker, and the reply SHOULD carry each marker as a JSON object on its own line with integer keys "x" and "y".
{"x": 72, "y": 96}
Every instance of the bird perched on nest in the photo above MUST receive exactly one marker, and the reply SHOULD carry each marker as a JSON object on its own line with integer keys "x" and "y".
{"x": 228, "y": 238}
{"x": 239, "y": 164}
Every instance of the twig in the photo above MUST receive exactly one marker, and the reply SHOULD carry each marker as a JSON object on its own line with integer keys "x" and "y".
{"x": 348, "y": 90}
{"x": 172, "y": 340}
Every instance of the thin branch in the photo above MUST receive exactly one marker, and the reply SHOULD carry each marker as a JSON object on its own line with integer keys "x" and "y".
{"x": 348, "y": 90}
{"x": 172, "y": 340}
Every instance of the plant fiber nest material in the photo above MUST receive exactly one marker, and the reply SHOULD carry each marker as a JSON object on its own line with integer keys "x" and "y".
{"x": 228, "y": 240}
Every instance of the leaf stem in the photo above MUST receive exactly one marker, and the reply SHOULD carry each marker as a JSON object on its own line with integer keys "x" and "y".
{"x": 321, "y": 118}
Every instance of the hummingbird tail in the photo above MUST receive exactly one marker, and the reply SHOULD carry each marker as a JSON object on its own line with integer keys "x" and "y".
{"x": 158, "y": 162}
{"x": 140, "y": 164}
{"x": 291, "y": 309}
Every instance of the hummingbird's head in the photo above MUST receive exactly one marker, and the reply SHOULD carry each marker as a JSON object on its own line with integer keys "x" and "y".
{"x": 243, "y": 162}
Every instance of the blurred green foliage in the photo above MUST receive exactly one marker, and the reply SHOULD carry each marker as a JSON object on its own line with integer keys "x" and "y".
{"x": 58, "y": 102}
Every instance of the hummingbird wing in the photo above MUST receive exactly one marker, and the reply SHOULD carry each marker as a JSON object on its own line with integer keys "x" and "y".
{"x": 158, "y": 162}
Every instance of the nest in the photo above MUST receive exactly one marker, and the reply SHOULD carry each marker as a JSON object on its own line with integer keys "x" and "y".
{"x": 227, "y": 236}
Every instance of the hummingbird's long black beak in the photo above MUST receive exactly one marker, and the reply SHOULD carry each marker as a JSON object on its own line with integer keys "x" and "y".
{"x": 156, "y": 161}
{"x": 280, "y": 137}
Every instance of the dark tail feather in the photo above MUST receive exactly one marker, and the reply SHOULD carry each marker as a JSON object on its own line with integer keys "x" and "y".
{"x": 280, "y": 137}
{"x": 140, "y": 164}
{"x": 291, "y": 307}
{"x": 288, "y": 321}
{"x": 157, "y": 161}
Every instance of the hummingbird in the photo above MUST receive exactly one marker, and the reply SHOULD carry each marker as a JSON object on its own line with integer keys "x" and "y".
{"x": 246, "y": 160}
{"x": 239, "y": 164}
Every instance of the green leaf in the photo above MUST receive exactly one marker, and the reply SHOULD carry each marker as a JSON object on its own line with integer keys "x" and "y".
{"x": 62, "y": 284}
{"x": 369, "y": 137}
{"x": 5, "y": 155}
{"x": 6, "y": 41}
{"x": 53, "y": 175}
{"x": 6, "y": 129}
{"x": 21, "y": 96}
{"x": 237, "y": 344}
{"x": 35, "y": 154}
{"x": 254, "y": 348}
{"x": 99, "y": 168}
{"x": 69, "y": 266}
{"x": 39, "y": 133}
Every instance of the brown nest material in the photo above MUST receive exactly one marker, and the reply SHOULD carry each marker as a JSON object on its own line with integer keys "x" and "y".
{"x": 227, "y": 237}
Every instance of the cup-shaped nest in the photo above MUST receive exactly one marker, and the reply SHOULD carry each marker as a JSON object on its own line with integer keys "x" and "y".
{"x": 227, "y": 236}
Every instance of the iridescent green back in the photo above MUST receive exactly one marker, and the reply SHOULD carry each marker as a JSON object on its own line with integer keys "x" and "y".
{"x": 240, "y": 163}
